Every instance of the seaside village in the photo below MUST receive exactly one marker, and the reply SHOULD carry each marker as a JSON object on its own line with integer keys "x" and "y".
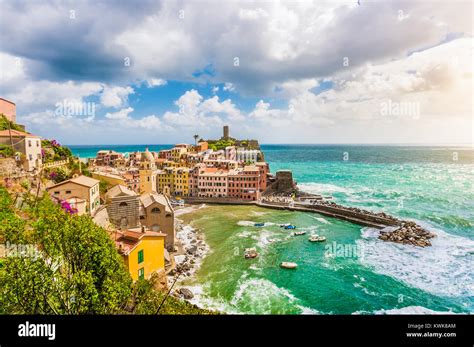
{"x": 134, "y": 195}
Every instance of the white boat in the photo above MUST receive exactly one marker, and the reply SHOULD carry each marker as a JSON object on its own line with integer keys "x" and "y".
{"x": 316, "y": 238}
{"x": 288, "y": 265}
{"x": 297, "y": 233}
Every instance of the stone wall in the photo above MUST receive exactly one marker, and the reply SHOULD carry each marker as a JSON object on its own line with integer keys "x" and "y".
{"x": 123, "y": 211}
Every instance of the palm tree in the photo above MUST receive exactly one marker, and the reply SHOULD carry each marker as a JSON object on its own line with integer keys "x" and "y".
{"x": 195, "y": 139}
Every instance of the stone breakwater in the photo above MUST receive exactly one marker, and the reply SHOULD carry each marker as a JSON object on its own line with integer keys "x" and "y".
{"x": 393, "y": 229}
{"x": 408, "y": 233}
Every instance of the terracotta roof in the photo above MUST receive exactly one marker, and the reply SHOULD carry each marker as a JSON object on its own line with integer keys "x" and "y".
{"x": 127, "y": 240}
{"x": 81, "y": 180}
{"x": 15, "y": 133}
{"x": 119, "y": 190}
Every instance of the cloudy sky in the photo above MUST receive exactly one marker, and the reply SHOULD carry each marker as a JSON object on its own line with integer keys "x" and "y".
{"x": 144, "y": 72}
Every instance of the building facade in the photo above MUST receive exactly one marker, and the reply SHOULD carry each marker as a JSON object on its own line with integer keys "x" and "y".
{"x": 8, "y": 109}
{"x": 156, "y": 213}
{"x": 81, "y": 187}
{"x": 27, "y": 144}
{"x": 123, "y": 207}
{"x": 142, "y": 251}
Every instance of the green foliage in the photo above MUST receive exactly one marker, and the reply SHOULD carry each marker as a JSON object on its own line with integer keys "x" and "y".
{"x": 76, "y": 270}
{"x": 5, "y": 124}
{"x": 53, "y": 151}
{"x": 6, "y": 151}
{"x": 220, "y": 144}
{"x": 103, "y": 187}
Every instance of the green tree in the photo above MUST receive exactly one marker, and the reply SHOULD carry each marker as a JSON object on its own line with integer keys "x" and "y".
{"x": 78, "y": 270}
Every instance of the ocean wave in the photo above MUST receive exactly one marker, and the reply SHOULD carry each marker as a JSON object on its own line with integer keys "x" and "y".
{"x": 405, "y": 310}
{"x": 323, "y": 188}
{"x": 443, "y": 269}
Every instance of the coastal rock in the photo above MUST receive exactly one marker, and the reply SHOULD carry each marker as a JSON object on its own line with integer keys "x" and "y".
{"x": 408, "y": 233}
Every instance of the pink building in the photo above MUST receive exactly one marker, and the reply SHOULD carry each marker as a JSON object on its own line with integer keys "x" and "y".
{"x": 8, "y": 109}
{"x": 212, "y": 183}
{"x": 245, "y": 184}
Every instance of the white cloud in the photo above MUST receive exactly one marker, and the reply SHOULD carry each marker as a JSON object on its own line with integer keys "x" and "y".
{"x": 115, "y": 96}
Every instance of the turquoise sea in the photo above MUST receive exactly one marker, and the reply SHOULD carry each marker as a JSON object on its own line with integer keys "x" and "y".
{"x": 353, "y": 272}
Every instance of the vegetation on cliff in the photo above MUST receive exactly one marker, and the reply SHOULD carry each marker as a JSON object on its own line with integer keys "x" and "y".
{"x": 5, "y": 124}
{"x": 58, "y": 263}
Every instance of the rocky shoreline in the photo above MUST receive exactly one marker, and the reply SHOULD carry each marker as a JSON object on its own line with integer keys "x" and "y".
{"x": 408, "y": 233}
{"x": 193, "y": 249}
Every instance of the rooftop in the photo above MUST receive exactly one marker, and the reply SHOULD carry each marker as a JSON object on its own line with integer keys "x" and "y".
{"x": 15, "y": 133}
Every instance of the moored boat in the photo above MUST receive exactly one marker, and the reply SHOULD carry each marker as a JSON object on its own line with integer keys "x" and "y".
{"x": 259, "y": 224}
{"x": 298, "y": 233}
{"x": 290, "y": 227}
{"x": 288, "y": 265}
{"x": 316, "y": 238}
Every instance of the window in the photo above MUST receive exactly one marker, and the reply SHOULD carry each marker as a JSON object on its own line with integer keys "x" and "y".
{"x": 68, "y": 192}
{"x": 29, "y": 143}
{"x": 141, "y": 273}
{"x": 123, "y": 204}
{"x": 155, "y": 210}
{"x": 56, "y": 193}
{"x": 140, "y": 256}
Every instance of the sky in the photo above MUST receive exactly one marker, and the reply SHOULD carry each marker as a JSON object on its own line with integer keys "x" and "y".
{"x": 151, "y": 72}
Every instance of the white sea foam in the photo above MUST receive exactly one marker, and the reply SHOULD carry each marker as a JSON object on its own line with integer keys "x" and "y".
{"x": 323, "y": 188}
{"x": 321, "y": 219}
{"x": 443, "y": 269}
{"x": 411, "y": 310}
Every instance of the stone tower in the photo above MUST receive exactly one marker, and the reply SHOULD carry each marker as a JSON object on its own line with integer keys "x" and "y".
{"x": 226, "y": 132}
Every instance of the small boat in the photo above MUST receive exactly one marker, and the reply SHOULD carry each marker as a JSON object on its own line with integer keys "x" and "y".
{"x": 290, "y": 227}
{"x": 259, "y": 224}
{"x": 316, "y": 238}
{"x": 288, "y": 265}
{"x": 284, "y": 225}
{"x": 250, "y": 253}
{"x": 298, "y": 233}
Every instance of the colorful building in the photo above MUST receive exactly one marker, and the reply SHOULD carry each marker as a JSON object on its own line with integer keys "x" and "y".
{"x": 143, "y": 251}
{"x": 181, "y": 181}
{"x": 8, "y": 109}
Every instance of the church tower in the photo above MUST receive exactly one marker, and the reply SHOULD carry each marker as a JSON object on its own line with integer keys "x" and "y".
{"x": 147, "y": 173}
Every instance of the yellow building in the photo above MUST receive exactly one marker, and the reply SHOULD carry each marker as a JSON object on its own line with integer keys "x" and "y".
{"x": 181, "y": 181}
{"x": 109, "y": 178}
{"x": 177, "y": 151}
{"x": 143, "y": 251}
{"x": 147, "y": 173}
{"x": 165, "y": 181}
